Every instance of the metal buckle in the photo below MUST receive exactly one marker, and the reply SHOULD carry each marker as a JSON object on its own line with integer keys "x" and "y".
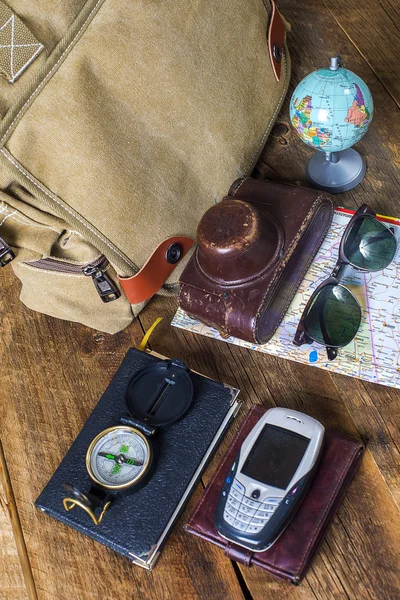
{"x": 6, "y": 254}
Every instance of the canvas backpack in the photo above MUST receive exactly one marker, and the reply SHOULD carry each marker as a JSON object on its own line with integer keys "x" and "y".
{"x": 121, "y": 124}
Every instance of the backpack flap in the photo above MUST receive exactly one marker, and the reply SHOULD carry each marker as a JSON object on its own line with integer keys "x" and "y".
{"x": 140, "y": 117}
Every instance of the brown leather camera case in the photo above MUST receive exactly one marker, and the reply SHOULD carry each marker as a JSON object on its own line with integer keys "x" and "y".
{"x": 253, "y": 251}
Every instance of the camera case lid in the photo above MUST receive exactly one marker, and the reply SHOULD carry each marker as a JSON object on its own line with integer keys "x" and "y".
{"x": 253, "y": 251}
{"x": 239, "y": 248}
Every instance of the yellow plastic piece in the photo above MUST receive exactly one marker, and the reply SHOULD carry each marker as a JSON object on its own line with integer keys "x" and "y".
{"x": 148, "y": 333}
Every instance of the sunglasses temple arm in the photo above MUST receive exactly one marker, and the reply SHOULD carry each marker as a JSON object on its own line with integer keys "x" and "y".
{"x": 301, "y": 337}
{"x": 330, "y": 350}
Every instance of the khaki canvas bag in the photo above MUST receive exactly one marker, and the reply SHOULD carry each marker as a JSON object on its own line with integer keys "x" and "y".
{"x": 121, "y": 124}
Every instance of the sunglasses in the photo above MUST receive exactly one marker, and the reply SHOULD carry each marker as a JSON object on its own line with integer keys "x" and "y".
{"x": 332, "y": 315}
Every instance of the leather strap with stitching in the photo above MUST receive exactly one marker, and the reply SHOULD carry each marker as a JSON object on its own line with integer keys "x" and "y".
{"x": 240, "y": 555}
{"x": 155, "y": 271}
{"x": 276, "y": 40}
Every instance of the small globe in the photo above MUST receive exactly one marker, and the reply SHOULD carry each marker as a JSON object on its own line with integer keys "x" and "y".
{"x": 331, "y": 109}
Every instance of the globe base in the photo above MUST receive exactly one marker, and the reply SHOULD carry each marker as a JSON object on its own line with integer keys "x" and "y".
{"x": 337, "y": 171}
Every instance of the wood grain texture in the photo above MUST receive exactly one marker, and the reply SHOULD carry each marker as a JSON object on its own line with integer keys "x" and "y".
{"x": 315, "y": 37}
{"x": 12, "y": 585}
{"x": 271, "y": 382}
{"x": 54, "y": 372}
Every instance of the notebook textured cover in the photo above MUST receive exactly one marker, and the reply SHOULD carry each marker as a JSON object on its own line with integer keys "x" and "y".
{"x": 291, "y": 555}
{"x": 185, "y": 447}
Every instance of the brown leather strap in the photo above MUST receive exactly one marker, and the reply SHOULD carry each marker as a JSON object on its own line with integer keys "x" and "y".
{"x": 155, "y": 272}
{"x": 240, "y": 555}
{"x": 276, "y": 39}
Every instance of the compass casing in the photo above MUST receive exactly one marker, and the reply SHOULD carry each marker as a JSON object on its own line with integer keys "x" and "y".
{"x": 156, "y": 397}
{"x": 114, "y": 437}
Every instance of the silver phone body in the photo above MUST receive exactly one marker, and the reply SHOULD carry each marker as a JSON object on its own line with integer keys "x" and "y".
{"x": 257, "y": 500}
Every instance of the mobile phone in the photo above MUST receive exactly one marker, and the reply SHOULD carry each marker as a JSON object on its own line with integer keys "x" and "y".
{"x": 269, "y": 478}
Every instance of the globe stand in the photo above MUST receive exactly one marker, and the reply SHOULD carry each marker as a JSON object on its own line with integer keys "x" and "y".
{"x": 336, "y": 172}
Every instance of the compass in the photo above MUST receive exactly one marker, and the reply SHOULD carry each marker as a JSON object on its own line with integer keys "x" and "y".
{"x": 123, "y": 456}
{"x": 118, "y": 457}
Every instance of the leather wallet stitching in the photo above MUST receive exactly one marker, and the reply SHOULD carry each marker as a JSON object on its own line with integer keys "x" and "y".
{"x": 203, "y": 498}
{"x": 296, "y": 574}
{"x": 328, "y": 507}
{"x": 247, "y": 556}
{"x": 272, "y": 566}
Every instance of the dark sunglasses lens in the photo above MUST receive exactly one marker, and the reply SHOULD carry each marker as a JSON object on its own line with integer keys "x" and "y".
{"x": 369, "y": 244}
{"x": 334, "y": 316}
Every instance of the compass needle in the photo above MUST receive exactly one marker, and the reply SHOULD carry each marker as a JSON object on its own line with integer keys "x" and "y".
{"x": 124, "y": 455}
{"x": 118, "y": 457}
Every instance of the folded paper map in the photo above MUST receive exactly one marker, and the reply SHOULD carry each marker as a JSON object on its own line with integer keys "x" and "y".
{"x": 374, "y": 354}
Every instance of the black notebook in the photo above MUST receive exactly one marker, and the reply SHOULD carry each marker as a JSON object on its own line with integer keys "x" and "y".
{"x": 138, "y": 522}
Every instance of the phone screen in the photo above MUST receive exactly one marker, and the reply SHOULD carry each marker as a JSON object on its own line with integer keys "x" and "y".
{"x": 275, "y": 456}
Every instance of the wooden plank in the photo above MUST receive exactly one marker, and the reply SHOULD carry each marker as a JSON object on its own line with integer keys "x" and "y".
{"x": 377, "y": 423}
{"x": 373, "y": 28}
{"x": 53, "y": 373}
{"x": 12, "y": 585}
{"x": 315, "y": 37}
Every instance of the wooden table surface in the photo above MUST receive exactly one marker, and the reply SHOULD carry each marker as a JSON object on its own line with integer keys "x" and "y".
{"x": 53, "y": 373}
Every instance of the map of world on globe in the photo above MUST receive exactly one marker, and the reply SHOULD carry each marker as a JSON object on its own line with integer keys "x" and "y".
{"x": 331, "y": 109}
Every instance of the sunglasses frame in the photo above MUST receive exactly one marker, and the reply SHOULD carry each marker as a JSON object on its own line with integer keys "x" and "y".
{"x": 302, "y": 336}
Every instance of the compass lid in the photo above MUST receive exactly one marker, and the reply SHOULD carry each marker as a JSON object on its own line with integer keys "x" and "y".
{"x": 160, "y": 394}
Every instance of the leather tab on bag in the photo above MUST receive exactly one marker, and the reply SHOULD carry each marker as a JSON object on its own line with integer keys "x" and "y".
{"x": 18, "y": 46}
{"x": 240, "y": 555}
{"x": 276, "y": 39}
{"x": 156, "y": 270}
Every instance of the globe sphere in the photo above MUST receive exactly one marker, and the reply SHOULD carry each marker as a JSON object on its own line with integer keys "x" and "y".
{"x": 331, "y": 109}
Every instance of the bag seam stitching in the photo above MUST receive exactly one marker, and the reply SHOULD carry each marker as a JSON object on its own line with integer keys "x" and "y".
{"x": 63, "y": 205}
{"x": 24, "y": 219}
{"x": 276, "y": 111}
{"x": 52, "y": 70}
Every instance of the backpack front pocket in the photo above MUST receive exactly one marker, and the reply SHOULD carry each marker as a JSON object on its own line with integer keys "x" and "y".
{"x": 69, "y": 290}
{"x": 62, "y": 275}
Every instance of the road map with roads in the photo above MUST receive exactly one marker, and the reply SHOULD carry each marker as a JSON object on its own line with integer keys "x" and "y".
{"x": 374, "y": 354}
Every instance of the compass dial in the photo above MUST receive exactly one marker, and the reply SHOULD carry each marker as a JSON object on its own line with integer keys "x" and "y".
{"x": 118, "y": 457}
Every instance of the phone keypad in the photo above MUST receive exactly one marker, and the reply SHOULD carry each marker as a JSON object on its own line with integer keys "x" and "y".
{"x": 230, "y": 510}
{"x": 242, "y": 517}
{"x": 249, "y": 502}
{"x": 267, "y": 508}
{"x": 233, "y": 502}
{"x": 235, "y": 494}
{"x": 247, "y": 511}
{"x": 229, "y": 518}
{"x": 246, "y": 514}
{"x": 239, "y": 525}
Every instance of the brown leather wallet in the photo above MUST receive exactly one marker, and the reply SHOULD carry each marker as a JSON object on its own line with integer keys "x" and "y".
{"x": 254, "y": 249}
{"x": 291, "y": 555}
